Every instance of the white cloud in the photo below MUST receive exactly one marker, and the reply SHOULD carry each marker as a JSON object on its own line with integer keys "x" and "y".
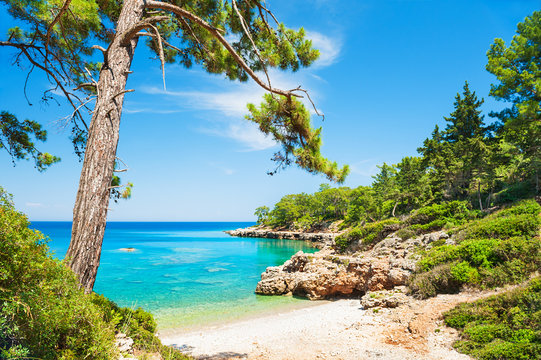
{"x": 329, "y": 48}
{"x": 230, "y": 102}
{"x": 244, "y": 132}
{"x": 129, "y": 110}
{"x": 225, "y": 170}
{"x": 34, "y": 205}
{"x": 364, "y": 167}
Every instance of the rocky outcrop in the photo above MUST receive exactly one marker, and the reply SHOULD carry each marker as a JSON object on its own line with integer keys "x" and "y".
{"x": 124, "y": 344}
{"x": 327, "y": 273}
{"x": 385, "y": 298}
{"x": 320, "y": 239}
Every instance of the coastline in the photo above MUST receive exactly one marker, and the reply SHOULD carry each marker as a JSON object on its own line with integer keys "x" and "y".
{"x": 339, "y": 329}
{"x": 272, "y": 305}
{"x": 318, "y": 239}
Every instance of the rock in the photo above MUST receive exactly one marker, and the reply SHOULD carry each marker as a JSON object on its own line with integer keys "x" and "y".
{"x": 271, "y": 286}
{"x": 385, "y": 299}
{"x": 320, "y": 239}
{"x": 124, "y": 343}
{"x": 328, "y": 274}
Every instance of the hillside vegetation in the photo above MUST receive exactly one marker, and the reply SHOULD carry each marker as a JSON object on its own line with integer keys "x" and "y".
{"x": 506, "y": 326}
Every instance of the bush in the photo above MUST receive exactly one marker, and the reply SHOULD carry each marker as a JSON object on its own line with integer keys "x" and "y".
{"x": 43, "y": 313}
{"x": 506, "y": 326}
{"x": 369, "y": 234}
{"x": 499, "y": 249}
{"x": 438, "y": 216}
{"x": 519, "y": 220}
{"x": 405, "y": 233}
{"x": 438, "y": 280}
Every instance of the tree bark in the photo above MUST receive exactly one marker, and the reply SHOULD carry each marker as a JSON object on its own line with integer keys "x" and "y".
{"x": 90, "y": 211}
{"x": 479, "y": 195}
{"x": 394, "y": 208}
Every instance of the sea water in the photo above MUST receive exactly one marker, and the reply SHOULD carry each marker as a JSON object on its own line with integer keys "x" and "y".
{"x": 188, "y": 274}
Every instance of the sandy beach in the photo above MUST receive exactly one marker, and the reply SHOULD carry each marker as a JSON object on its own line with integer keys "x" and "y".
{"x": 333, "y": 330}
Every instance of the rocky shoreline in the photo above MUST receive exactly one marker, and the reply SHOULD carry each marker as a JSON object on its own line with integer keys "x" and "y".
{"x": 319, "y": 239}
{"x": 329, "y": 274}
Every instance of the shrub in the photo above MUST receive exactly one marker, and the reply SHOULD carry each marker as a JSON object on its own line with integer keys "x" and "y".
{"x": 437, "y": 216}
{"x": 438, "y": 280}
{"x": 405, "y": 233}
{"x": 499, "y": 249}
{"x": 43, "y": 313}
{"x": 506, "y": 326}
{"x": 521, "y": 219}
{"x": 369, "y": 234}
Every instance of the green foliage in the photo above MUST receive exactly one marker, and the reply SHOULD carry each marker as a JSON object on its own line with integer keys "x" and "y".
{"x": 436, "y": 281}
{"x": 288, "y": 122}
{"x": 506, "y": 326}
{"x": 458, "y": 158}
{"x": 405, "y": 233}
{"x": 501, "y": 248}
{"x": 230, "y": 38}
{"x": 262, "y": 214}
{"x": 438, "y": 216}
{"x": 518, "y": 70}
{"x": 44, "y": 314}
{"x": 303, "y": 211}
{"x": 137, "y": 324}
{"x": 369, "y": 234}
{"x": 15, "y": 138}
{"x": 519, "y": 220}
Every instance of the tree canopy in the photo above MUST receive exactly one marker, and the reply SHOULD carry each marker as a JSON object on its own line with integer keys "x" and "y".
{"x": 518, "y": 70}
{"x": 469, "y": 162}
{"x": 86, "y": 49}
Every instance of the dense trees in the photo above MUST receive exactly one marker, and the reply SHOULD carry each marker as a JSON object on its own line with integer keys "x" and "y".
{"x": 458, "y": 157}
{"x": 240, "y": 39}
{"x": 518, "y": 70}
{"x": 469, "y": 160}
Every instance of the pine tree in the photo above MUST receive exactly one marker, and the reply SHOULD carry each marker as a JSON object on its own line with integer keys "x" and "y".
{"x": 518, "y": 70}
{"x": 234, "y": 38}
{"x": 458, "y": 157}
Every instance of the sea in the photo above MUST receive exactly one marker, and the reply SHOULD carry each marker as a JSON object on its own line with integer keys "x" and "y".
{"x": 189, "y": 275}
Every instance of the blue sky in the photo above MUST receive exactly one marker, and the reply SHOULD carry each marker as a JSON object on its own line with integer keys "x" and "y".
{"x": 388, "y": 73}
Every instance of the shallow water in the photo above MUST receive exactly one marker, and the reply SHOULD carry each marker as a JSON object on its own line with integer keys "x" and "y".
{"x": 187, "y": 274}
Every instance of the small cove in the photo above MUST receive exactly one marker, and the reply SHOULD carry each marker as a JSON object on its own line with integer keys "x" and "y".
{"x": 188, "y": 274}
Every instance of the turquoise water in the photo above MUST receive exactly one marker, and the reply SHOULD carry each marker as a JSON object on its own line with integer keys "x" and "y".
{"x": 187, "y": 274}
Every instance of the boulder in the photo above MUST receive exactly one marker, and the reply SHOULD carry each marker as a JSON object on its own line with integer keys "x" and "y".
{"x": 328, "y": 274}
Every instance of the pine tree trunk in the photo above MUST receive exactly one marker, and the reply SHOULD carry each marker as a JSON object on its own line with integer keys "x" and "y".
{"x": 479, "y": 195}
{"x": 90, "y": 211}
